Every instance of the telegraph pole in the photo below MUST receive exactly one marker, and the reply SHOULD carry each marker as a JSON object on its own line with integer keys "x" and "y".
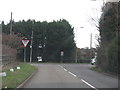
{"x": 76, "y": 56}
{"x": 11, "y": 25}
{"x": 91, "y": 45}
{"x": 90, "y": 40}
{"x": 31, "y": 47}
{"x": 76, "y": 47}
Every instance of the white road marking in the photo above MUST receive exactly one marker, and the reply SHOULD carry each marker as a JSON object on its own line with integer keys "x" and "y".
{"x": 72, "y": 74}
{"x": 65, "y": 69}
{"x": 60, "y": 66}
{"x": 76, "y": 76}
{"x": 89, "y": 84}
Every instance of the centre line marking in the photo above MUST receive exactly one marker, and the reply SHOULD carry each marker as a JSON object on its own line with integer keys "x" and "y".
{"x": 72, "y": 74}
{"x": 65, "y": 69}
{"x": 89, "y": 84}
{"x": 60, "y": 66}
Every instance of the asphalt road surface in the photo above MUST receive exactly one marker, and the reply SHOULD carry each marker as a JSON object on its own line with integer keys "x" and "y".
{"x": 69, "y": 76}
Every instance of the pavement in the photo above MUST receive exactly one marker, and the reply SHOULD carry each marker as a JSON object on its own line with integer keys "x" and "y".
{"x": 69, "y": 76}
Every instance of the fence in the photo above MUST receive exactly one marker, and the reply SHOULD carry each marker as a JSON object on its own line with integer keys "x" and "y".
{"x": 7, "y": 61}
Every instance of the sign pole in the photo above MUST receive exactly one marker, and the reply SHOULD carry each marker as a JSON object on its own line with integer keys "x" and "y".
{"x": 24, "y": 54}
{"x": 61, "y": 59}
{"x": 62, "y": 53}
{"x": 25, "y": 43}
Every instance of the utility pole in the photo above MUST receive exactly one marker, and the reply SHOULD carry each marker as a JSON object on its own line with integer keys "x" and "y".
{"x": 0, "y": 29}
{"x": 76, "y": 47}
{"x": 91, "y": 45}
{"x": 11, "y": 25}
{"x": 103, "y": 3}
{"x": 31, "y": 47}
{"x": 76, "y": 56}
{"x": 90, "y": 40}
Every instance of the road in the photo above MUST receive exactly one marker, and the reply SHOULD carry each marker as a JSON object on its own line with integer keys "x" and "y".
{"x": 69, "y": 76}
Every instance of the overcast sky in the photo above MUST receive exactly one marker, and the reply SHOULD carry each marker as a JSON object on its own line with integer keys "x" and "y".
{"x": 76, "y": 12}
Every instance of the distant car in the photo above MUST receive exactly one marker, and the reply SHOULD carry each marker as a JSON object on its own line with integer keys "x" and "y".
{"x": 93, "y": 61}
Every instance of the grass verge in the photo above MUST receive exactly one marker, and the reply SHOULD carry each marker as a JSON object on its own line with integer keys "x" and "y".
{"x": 13, "y": 79}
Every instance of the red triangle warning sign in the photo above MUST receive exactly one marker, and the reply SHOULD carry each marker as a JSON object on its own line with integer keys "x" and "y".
{"x": 25, "y": 42}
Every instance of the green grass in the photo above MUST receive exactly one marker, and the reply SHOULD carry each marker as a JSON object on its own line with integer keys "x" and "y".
{"x": 0, "y": 82}
{"x": 13, "y": 79}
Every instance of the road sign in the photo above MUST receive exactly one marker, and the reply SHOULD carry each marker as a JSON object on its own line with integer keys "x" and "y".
{"x": 3, "y": 74}
{"x": 62, "y": 53}
{"x": 18, "y": 67}
{"x": 39, "y": 59}
{"x": 12, "y": 70}
{"x": 25, "y": 42}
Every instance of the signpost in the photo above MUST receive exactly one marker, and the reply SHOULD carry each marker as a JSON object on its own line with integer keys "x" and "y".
{"x": 25, "y": 43}
{"x": 62, "y": 54}
{"x": 39, "y": 59}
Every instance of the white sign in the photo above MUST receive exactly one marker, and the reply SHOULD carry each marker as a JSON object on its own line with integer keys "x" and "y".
{"x": 25, "y": 42}
{"x": 30, "y": 46}
{"x": 5, "y": 86}
{"x": 12, "y": 70}
{"x": 18, "y": 67}
{"x": 39, "y": 59}
{"x": 3, "y": 74}
{"x": 62, "y": 53}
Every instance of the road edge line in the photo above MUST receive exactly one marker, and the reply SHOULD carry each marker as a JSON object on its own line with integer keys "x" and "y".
{"x": 72, "y": 74}
{"x": 68, "y": 71}
{"x": 89, "y": 84}
{"x": 65, "y": 69}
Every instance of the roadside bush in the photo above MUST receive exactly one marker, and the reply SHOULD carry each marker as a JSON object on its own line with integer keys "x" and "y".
{"x": 11, "y": 41}
{"x": 107, "y": 58}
